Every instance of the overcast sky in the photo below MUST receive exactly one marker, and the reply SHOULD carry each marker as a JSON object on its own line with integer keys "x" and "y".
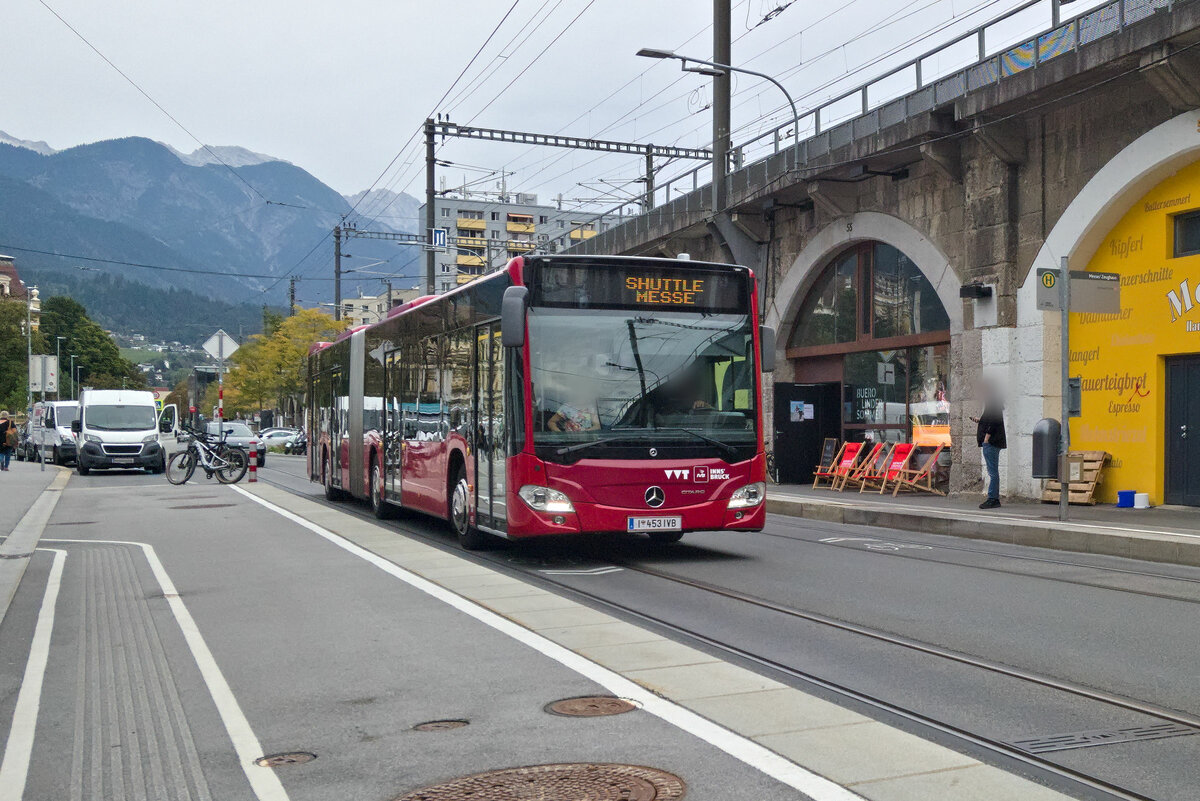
{"x": 339, "y": 87}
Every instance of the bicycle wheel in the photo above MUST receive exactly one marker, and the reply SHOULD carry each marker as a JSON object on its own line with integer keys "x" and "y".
{"x": 181, "y": 466}
{"x": 236, "y": 463}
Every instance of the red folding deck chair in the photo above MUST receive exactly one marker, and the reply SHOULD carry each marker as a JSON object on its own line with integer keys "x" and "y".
{"x": 846, "y": 461}
{"x": 919, "y": 476}
{"x": 898, "y": 459}
{"x": 865, "y": 465}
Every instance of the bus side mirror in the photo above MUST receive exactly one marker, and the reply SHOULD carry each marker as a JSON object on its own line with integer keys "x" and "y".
{"x": 766, "y": 340}
{"x": 512, "y": 316}
{"x": 76, "y": 426}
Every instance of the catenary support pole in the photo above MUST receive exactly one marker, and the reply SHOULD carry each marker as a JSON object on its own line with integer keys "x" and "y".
{"x": 1064, "y": 500}
{"x": 650, "y": 178}
{"x": 337, "y": 272}
{"x": 722, "y": 53}
{"x": 430, "y": 215}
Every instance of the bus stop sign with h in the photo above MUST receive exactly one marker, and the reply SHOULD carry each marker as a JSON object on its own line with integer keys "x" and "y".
{"x": 1080, "y": 291}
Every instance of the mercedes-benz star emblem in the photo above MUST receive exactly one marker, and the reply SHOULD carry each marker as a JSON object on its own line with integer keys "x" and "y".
{"x": 654, "y": 451}
{"x": 655, "y": 497}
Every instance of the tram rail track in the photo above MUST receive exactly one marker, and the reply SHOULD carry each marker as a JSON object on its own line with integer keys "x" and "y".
{"x": 1093, "y": 786}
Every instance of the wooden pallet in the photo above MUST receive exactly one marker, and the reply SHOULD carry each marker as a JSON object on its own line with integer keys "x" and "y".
{"x": 1079, "y": 492}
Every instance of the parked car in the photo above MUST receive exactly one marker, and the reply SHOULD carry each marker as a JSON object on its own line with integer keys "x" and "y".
{"x": 241, "y": 436}
{"x": 267, "y": 432}
{"x": 274, "y": 437}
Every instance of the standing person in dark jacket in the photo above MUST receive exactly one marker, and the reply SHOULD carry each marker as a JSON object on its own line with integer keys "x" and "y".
{"x": 8, "y": 439}
{"x": 989, "y": 434}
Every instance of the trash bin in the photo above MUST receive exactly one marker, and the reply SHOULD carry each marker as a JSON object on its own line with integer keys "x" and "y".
{"x": 1125, "y": 499}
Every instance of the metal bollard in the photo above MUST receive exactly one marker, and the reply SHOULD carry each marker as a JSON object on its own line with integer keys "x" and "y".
{"x": 253, "y": 461}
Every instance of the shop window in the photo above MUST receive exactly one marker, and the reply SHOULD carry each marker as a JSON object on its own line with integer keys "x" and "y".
{"x": 828, "y": 313}
{"x": 903, "y": 300}
{"x": 1187, "y": 234}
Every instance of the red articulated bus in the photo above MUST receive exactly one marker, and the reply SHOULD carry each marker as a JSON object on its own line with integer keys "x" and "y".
{"x": 562, "y": 395}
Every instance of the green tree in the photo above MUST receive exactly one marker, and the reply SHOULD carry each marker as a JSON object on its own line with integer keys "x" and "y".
{"x": 97, "y": 356}
{"x": 14, "y": 364}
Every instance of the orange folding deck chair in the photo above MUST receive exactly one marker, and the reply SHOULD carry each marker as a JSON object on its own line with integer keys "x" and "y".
{"x": 847, "y": 461}
{"x": 901, "y": 453}
{"x": 865, "y": 466}
{"x": 919, "y": 476}
{"x": 827, "y": 470}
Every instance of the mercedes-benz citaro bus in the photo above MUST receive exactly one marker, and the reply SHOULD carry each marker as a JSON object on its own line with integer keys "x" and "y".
{"x": 560, "y": 395}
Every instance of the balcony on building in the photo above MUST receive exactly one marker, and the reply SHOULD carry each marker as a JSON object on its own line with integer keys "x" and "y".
{"x": 467, "y": 224}
{"x": 468, "y": 258}
{"x": 520, "y": 224}
{"x": 583, "y": 232}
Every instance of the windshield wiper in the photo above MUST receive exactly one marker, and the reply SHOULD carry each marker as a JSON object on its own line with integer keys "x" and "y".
{"x": 724, "y": 446}
{"x": 582, "y": 446}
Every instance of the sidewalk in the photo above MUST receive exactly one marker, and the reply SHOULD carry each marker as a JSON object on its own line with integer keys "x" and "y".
{"x": 1164, "y": 534}
{"x": 22, "y": 519}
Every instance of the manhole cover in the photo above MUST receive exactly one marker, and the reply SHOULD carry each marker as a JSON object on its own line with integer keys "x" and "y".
{"x": 290, "y": 758}
{"x": 590, "y": 706}
{"x": 202, "y": 506}
{"x": 578, "y": 782}
{"x": 440, "y": 725}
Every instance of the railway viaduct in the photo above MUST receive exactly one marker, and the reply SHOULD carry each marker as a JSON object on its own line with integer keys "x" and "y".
{"x": 1008, "y": 164}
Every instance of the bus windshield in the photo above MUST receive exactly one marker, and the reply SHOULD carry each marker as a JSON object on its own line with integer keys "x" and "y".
{"x": 604, "y": 380}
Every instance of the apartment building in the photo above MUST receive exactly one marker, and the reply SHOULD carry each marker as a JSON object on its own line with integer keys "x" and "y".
{"x": 483, "y": 234}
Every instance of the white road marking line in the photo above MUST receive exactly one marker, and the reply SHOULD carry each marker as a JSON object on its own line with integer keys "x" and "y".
{"x": 263, "y": 781}
{"x": 742, "y": 748}
{"x": 19, "y": 749}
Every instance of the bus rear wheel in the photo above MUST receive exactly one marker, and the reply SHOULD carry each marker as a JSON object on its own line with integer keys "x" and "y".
{"x": 469, "y": 537}
{"x": 379, "y": 505}
{"x": 332, "y": 493}
{"x": 665, "y": 537}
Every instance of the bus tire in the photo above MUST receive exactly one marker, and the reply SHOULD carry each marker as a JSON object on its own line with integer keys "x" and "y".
{"x": 469, "y": 537}
{"x": 332, "y": 493}
{"x": 379, "y": 505}
{"x": 665, "y": 537}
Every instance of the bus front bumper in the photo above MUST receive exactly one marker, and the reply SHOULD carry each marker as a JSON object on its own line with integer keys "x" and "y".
{"x": 593, "y": 518}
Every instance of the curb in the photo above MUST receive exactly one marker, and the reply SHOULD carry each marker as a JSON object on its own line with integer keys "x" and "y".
{"x": 18, "y": 548}
{"x": 1166, "y": 547}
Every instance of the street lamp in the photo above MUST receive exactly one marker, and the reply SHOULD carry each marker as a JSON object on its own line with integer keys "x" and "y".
{"x": 73, "y": 393}
{"x": 58, "y": 366}
{"x": 714, "y": 69}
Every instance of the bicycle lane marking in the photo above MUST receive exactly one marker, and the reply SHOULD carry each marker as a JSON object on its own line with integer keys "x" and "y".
{"x": 264, "y": 783}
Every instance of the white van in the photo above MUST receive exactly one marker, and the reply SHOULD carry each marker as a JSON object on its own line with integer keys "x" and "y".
{"x": 121, "y": 428}
{"x": 50, "y": 436}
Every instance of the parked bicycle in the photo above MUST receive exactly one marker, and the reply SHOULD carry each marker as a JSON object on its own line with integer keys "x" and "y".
{"x": 227, "y": 462}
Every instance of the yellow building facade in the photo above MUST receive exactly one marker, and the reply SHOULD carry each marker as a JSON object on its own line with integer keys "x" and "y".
{"x": 1139, "y": 366}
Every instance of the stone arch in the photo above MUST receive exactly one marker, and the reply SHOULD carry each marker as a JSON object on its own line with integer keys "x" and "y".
{"x": 1100, "y": 204}
{"x": 836, "y": 237}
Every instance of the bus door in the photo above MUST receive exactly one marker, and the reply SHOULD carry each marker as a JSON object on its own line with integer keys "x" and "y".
{"x": 337, "y": 425}
{"x": 423, "y": 429}
{"x": 490, "y": 436}
{"x": 393, "y": 426}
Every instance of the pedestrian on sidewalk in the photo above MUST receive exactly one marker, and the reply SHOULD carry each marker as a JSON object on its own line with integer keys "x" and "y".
{"x": 8, "y": 439}
{"x": 989, "y": 434}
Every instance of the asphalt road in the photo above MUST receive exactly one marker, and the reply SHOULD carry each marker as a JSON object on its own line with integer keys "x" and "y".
{"x": 266, "y": 638}
{"x": 1104, "y": 624}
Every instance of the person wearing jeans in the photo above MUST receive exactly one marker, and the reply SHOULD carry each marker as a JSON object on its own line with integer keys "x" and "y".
{"x": 8, "y": 436}
{"x": 989, "y": 435}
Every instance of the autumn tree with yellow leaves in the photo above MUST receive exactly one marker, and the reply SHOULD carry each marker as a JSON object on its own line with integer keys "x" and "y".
{"x": 268, "y": 369}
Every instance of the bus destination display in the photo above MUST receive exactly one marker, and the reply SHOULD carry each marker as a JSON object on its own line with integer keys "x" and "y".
{"x": 644, "y": 287}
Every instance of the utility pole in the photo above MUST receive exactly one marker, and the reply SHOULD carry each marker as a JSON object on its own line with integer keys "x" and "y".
{"x": 430, "y": 215}
{"x": 337, "y": 272}
{"x": 650, "y": 177}
{"x": 29, "y": 345}
{"x": 722, "y": 53}
{"x": 388, "y": 283}
{"x": 292, "y": 296}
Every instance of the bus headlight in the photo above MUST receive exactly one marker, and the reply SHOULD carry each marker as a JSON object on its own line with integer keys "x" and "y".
{"x": 748, "y": 496}
{"x": 544, "y": 499}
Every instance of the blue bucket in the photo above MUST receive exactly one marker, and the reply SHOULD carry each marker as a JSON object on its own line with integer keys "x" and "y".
{"x": 1125, "y": 499}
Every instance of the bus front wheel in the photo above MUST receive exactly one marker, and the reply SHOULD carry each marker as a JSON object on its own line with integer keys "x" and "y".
{"x": 469, "y": 537}
{"x": 379, "y": 505}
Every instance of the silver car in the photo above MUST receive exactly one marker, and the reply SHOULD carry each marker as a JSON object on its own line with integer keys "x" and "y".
{"x": 241, "y": 436}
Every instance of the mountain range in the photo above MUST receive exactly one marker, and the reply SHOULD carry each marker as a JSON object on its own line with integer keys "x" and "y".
{"x": 225, "y": 223}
